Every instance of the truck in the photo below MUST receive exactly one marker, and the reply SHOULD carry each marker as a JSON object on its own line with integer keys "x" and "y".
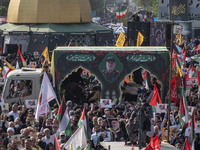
{"x": 94, "y": 60}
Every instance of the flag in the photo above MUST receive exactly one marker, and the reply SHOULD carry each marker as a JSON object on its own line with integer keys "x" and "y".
{"x": 18, "y": 51}
{"x": 156, "y": 97}
{"x": 23, "y": 61}
{"x": 87, "y": 147}
{"x": 178, "y": 36}
{"x": 186, "y": 145}
{"x": 152, "y": 143}
{"x": 56, "y": 143}
{"x": 140, "y": 39}
{"x": 61, "y": 110}
{"x": 191, "y": 71}
{"x": 9, "y": 65}
{"x": 183, "y": 110}
{"x": 78, "y": 139}
{"x": 1, "y": 50}
{"x": 173, "y": 59}
{"x": 156, "y": 143}
{"x": 33, "y": 66}
{"x": 132, "y": 147}
{"x": 198, "y": 48}
{"x": 5, "y": 71}
{"x": 174, "y": 96}
{"x": 83, "y": 121}
{"x": 45, "y": 53}
{"x": 187, "y": 76}
{"x": 184, "y": 57}
{"x": 120, "y": 40}
{"x": 122, "y": 12}
{"x": 183, "y": 52}
{"x": 178, "y": 66}
{"x": 46, "y": 95}
{"x": 191, "y": 137}
{"x": 64, "y": 121}
{"x": 148, "y": 147}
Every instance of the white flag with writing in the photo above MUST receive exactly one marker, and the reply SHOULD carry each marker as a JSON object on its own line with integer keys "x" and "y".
{"x": 46, "y": 95}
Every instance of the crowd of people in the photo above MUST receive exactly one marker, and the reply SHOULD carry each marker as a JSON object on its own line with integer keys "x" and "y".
{"x": 18, "y": 128}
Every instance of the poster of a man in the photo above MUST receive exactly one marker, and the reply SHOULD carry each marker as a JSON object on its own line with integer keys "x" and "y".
{"x": 110, "y": 73}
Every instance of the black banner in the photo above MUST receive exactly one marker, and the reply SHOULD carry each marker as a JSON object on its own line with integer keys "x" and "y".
{"x": 178, "y": 10}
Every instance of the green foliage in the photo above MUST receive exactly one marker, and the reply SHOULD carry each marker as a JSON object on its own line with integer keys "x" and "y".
{"x": 148, "y": 5}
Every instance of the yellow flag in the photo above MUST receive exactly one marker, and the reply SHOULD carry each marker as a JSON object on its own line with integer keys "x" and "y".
{"x": 9, "y": 65}
{"x": 39, "y": 148}
{"x": 33, "y": 66}
{"x": 140, "y": 39}
{"x": 131, "y": 78}
{"x": 45, "y": 53}
{"x": 120, "y": 40}
{"x": 71, "y": 147}
{"x": 179, "y": 37}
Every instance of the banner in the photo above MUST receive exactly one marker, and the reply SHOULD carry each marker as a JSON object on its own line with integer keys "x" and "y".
{"x": 120, "y": 40}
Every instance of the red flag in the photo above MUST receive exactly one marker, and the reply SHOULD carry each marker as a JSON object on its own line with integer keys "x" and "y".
{"x": 132, "y": 147}
{"x": 183, "y": 52}
{"x": 173, "y": 54}
{"x": 187, "y": 76}
{"x": 1, "y": 50}
{"x": 156, "y": 97}
{"x": 198, "y": 48}
{"x": 18, "y": 51}
{"x": 151, "y": 143}
{"x": 156, "y": 143}
{"x": 144, "y": 76}
{"x": 148, "y": 147}
{"x": 56, "y": 143}
{"x": 184, "y": 57}
{"x": 174, "y": 96}
{"x": 186, "y": 145}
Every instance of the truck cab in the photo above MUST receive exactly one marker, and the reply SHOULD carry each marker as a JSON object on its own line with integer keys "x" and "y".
{"x": 22, "y": 84}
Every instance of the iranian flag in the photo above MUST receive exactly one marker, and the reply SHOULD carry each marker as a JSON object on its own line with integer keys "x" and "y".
{"x": 183, "y": 110}
{"x": 83, "y": 121}
{"x": 121, "y": 13}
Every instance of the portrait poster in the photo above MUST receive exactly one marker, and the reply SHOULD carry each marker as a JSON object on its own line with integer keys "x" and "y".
{"x": 5, "y": 108}
{"x": 106, "y": 103}
{"x": 158, "y": 34}
{"x": 114, "y": 123}
{"x": 197, "y": 128}
{"x": 31, "y": 103}
{"x": 16, "y": 138}
{"x": 165, "y": 134}
{"x": 190, "y": 110}
{"x": 161, "y": 108}
{"x": 106, "y": 136}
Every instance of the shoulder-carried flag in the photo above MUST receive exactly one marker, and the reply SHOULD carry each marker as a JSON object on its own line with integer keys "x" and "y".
{"x": 174, "y": 96}
{"x": 77, "y": 140}
{"x": 83, "y": 121}
{"x": 121, "y": 39}
{"x": 46, "y": 95}
{"x": 140, "y": 39}
{"x": 183, "y": 110}
{"x": 45, "y": 53}
{"x": 186, "y": 145}
{"x": 64, "y": 119}
{"x": 156, "y": 97}
{"x": 56, "y": 143}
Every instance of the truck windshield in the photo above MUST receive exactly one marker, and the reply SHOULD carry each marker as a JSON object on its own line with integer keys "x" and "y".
{"x": 20, "y": 88}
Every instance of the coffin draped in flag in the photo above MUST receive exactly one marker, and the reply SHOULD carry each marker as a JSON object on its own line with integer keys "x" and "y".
{"x": 77, "y": 140}
{"x": 46, "y": 95}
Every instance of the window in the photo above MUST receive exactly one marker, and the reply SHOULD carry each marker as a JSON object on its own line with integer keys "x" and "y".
{"x": 20, "y": 88}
